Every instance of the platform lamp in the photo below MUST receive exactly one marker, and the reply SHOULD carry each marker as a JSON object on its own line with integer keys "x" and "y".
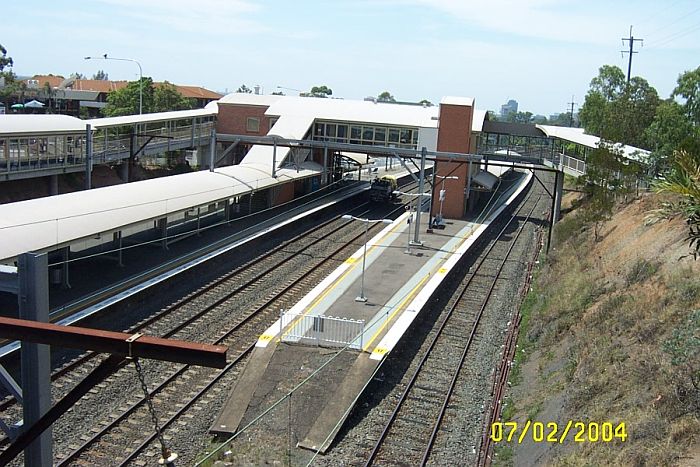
{"x": 105, "y": 57}
{"x": 442, "y": 194}
{"x": 367, "y": 222}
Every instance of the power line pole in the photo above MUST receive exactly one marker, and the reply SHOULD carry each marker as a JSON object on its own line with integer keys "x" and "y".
{"x": 631, "y": 51}
{"x": 571, "y": 113}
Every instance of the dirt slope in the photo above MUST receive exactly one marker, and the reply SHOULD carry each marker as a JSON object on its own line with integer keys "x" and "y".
{"x": 595, "y": 345}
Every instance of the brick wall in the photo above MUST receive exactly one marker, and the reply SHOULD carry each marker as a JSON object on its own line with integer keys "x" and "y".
{"x": 454, "y": 135}
{"x": 233, "y": 118}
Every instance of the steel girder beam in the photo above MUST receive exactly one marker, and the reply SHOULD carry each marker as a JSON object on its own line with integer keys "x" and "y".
{"x": 114, "y": 342}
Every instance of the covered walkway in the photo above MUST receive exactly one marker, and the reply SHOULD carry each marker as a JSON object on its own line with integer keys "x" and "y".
{"x": 43, "y": 145}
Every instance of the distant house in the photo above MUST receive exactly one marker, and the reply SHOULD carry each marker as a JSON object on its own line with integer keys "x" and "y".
{"x": 201, "y": 95}
{"x": 70, "y": 95}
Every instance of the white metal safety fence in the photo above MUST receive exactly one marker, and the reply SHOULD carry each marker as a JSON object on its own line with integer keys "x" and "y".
{"x": 321, "y": 330}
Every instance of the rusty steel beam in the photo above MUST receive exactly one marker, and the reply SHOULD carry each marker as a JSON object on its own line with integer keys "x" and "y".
{"x": 116, "y": 343}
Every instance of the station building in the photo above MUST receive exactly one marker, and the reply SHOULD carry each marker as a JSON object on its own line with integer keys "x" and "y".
{"x": 452, "y": 126}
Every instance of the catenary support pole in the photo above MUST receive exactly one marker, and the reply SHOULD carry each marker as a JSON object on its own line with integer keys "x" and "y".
{"x": 36, "y": 362}
{"x": 212, "y": 149}
{"x": 421, "y": 186}
{"x": 551, "y": 212}
{"x": 88, "y": 157}
{"x": 274, "y": 159}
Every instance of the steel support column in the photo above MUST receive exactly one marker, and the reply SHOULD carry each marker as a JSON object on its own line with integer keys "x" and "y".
{"x": 88, "y": 157}
{"x": 65, "y": 269}
{"x": 117, "y": 243}
{"x": 36, "y": 362}
{"x": 552, "y": 210}
{"x": 421, "y": 187}
{"x": 558, "y": 192}
{"x": 274, "y": 159}
{"x": 212, "y": 149}
{"x": 324, "y": 175}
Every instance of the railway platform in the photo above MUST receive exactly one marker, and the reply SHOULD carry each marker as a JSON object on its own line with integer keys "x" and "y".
{"x": 363, "y": 314}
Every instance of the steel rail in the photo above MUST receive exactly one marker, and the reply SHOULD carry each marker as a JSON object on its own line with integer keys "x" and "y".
{"x": 467, "y": 346}
{"x": 74, "y": 455}
{"x": 432, "y": 345}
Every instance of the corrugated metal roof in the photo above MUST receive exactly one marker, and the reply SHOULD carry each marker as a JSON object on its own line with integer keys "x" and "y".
{"x": 358, "y": 157}
{"x": 46, "y": 223}
{"x": 355, "y": 111}
{"x": 126, "y": 120}
{"x": 455, "y": 100}
{"x": 23, "y": 125}
{"x": 243, "y": 98}
{"x": 478, "y": 118}
{"x": 578, "y": 136}
{"x": 287, "y": 126}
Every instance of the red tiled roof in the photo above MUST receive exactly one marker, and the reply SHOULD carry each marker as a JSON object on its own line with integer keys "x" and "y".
{"x": 106, "y": 86}
{"x": 99, "y": 85}
{"x": 54, "y": 81}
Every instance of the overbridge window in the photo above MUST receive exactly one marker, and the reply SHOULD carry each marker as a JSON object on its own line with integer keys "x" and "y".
{"x": 253, "y": 124}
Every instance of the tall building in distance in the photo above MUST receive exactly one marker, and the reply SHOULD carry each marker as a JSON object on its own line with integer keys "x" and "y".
{"x": 508, "y": 107}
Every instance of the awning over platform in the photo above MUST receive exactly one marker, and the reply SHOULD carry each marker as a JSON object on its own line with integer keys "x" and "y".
{"x": 485, "y": 179}
{"x": 358, "y": 157}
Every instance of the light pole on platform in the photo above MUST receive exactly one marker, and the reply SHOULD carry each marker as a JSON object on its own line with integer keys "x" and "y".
{"x": 367, "y": 222}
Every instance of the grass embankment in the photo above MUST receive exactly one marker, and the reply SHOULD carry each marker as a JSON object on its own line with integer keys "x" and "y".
{"x": 610, "y": 334}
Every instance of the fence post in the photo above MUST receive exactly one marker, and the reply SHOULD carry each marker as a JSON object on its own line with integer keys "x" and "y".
{"x": 281, "y": 323}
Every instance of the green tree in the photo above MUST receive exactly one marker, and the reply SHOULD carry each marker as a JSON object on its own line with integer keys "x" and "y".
{"x": 608, "y": 176}
{"x": 425, "y": 103}
{"x": 48, "y": 93}
{"x": 100, "y": 75}
{"x": 244, "y": 89}
{"x": 166, "y": 97}
{"x": 385, "y": 97}
{"x": 619, "y": 111}
{"x": 5, "y": 61}
{"x": 7, "y": 76}
{"x": 668, "y": 132}
{"x": 125, "y": 101}
{"x": 77, "y": 75}
{"x": 635, "y": 111}
{"x": 689, "y": 89}
{"x": 320, "y": 91}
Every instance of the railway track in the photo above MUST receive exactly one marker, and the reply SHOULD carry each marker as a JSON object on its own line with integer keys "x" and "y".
{"x": 413, "y": 433}
{"x": 208, "y": 314}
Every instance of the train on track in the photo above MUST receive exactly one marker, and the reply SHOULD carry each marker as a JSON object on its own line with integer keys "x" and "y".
{"x": 382, "y": 189}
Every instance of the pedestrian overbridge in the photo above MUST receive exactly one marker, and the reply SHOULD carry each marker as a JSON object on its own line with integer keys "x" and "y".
{"x": 44, "y": 145}
{"x": 563, "y": 148}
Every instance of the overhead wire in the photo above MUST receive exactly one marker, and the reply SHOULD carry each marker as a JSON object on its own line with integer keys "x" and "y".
{"x": 674, "y": 37}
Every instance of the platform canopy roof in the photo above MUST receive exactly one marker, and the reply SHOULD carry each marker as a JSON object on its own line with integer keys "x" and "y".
{"x": 51, "y": 222}
{"x": 578, "y": 136}
{"x": 209, "y": 111}
{"x": 26, "y": 125}
{"x": 340, "y": 109}
{"x": 51, "y": 124}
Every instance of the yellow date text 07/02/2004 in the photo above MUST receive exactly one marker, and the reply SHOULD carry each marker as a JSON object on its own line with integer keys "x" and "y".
{"x": 552, "y": 432}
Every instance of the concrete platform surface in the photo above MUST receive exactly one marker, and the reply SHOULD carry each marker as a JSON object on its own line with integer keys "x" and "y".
{"x": 397, "y": 284}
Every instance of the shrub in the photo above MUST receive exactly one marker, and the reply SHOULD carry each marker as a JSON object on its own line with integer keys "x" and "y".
{"x": 641, "y": 270}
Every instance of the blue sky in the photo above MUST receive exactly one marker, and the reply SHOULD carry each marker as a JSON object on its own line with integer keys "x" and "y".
{"x": 539, "y": 52}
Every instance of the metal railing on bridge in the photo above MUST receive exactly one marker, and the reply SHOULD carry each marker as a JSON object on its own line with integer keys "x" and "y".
{"x": 68, "y": 153}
